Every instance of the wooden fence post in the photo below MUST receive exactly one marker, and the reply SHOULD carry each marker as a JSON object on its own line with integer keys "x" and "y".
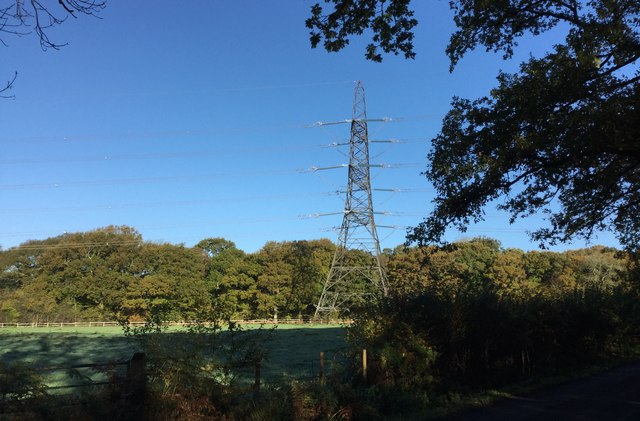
{"x": 364, "y": 365}
{"x": 321, "y": 377}
{"x": 256, "y": 384}
{"x": 136, "y": 382}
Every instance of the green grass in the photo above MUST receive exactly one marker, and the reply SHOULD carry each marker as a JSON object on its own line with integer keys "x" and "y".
{"x": 52, "y": 351}
{"x": 60, "y": 347}
{"x": 293, "y": 350}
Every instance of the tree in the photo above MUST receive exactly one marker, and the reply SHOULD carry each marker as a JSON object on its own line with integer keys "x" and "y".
{"x": 407, "y": 270}
{"x": 168, "y": 284}
{"x": 292, "y": 277}
{"x": 273, "y": 288}
{"x": 461, "y": 268}
{"x": 508, "y": 276}
{"x": 23, "y": 17}
{"x": 310, "y": 261}
{"x": 598, "y": 267}
{"x": 550, "y": 270}
{"x": 230, "y": 277}
{"x": 561, "y": 136}
{"x": 539, "y": 138}
{"x": 391, "y": 21}
{"x": 214, "y": 247}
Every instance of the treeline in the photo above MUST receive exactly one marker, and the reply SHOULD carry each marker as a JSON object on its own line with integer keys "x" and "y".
{"x": 473, "y": 316}
{"x": 459, "y": 319}
{"x": 113, "y": 272}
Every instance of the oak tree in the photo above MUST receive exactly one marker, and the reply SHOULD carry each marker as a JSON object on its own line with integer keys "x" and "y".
{"x": 392, "y": 23}
{"x": 561, "y": 136}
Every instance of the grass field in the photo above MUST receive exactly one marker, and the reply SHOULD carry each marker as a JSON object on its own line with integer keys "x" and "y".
{"x": 293, "y": 351}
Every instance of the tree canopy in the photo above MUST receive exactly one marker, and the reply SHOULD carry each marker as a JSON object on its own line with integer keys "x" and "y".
{"x": 112, "y": 273}
{"x": 391, "y": 22}
{"x": 560, "y": 137}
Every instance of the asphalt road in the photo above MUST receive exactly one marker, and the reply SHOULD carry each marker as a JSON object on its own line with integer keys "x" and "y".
{"x": 611, "y": 395}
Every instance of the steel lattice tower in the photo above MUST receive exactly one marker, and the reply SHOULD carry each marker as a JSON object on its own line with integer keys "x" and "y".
{"x": 357, "y": 271}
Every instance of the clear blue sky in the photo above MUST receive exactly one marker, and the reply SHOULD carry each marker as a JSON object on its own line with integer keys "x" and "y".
{"x": 189, "y": 120}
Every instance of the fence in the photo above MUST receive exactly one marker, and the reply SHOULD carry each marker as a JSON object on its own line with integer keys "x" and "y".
{"x": 131, "y": 386}
{"x": 63, "y": 324}
{"x": 128, "y": 379}
{"x": 183, "y": 324}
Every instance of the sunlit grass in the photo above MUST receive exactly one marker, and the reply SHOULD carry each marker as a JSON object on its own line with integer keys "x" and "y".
{"x": 292, "y": 350}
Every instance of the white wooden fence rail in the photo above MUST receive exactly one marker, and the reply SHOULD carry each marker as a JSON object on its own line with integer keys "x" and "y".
{"x": 116, "y": 324}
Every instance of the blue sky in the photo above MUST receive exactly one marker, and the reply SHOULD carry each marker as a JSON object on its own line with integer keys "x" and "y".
{"x": 195, "y": 119}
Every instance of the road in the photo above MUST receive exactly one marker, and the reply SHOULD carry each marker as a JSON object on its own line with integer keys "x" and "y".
{"x": 611, "y": 395}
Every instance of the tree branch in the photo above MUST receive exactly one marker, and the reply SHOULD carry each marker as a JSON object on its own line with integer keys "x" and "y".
{"x": 63, "y": 4}
{"x": 8, "y": 86}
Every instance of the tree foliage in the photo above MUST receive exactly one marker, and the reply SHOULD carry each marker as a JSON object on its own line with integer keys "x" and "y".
{"x": 113, "y": 273}
{"x": 484, "y": 316}
{"x": 561, "y": 136}
{"x": 102, "y": 274}
{"x": 462, "y": 317}
{"x": 392, "y": 23}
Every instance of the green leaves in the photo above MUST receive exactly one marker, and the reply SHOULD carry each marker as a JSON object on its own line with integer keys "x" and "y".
{"x": 496, "y": 24}
{"x": 391, "y": 22}
{"x": 479, "y": 316}
{"x": 560, "y": 137}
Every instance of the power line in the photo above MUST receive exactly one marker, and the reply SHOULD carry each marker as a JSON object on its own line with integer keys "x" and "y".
{"x": 384, "y": 165}
{"x": 154, "y": 156}
{"x": 67, "y": 245}
{"x": 193, "y": 224}
{"x": 109, "y": 157}
{"x": 398, "y": 141}
{"x": 190, "y": 132}
{"x": 137, "y": 180}
{"x": 234, "y": 89}
{"x": 164, "y": 204}
{"x": 189, "y": 178}
{"x": 153, "y": 135}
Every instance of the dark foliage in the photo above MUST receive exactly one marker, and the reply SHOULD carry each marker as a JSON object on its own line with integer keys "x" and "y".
{"x": 560, "y": 137}
{"x": 391, "y": 22}
{"x": 468, "y": 342}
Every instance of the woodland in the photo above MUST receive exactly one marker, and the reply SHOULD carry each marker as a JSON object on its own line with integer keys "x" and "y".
{"x": 559, "y": 138}
{"x": 460, "y": 319}
{"x": 112, "y": 273}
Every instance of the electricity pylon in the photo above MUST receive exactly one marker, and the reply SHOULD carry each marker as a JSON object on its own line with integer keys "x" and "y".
{"x": 357, "y": 272}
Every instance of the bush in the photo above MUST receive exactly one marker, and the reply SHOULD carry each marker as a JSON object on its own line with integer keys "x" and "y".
{"x": 469, "y": 341}
{"x": 21, "y": 390}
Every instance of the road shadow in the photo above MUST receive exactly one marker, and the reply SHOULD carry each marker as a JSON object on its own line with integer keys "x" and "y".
{"x": 611, "y": 395}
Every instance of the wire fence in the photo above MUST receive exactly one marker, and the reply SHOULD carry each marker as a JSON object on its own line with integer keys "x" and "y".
{"x": 76, "y": 385}
{"x": 126, "y": 383}
{"x": 84, "y": 375}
